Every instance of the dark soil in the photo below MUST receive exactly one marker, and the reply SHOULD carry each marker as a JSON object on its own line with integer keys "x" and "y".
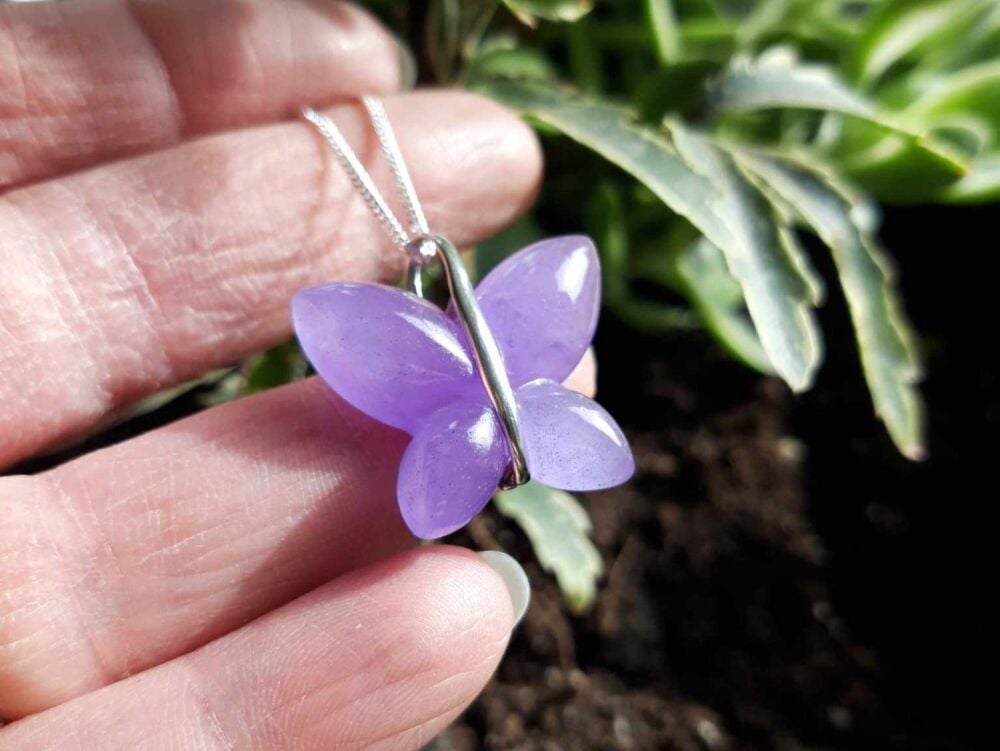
{"x": 777, "y": 577}
{"x": 715, "y": 626}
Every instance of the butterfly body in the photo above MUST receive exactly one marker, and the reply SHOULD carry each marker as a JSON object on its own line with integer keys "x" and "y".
{"x": 407, "y": 363}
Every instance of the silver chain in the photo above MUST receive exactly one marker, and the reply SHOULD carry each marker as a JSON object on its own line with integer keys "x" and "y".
{"x": 390, "y": 150}
{"x": 362, "y": 179}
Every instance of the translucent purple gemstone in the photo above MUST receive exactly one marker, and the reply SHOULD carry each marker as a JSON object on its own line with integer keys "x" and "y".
{"x": 542, "y": 304}
{"x": 406, "y": 363}
{"x": 570, "y": 441}
{"x": 451, "y": 468}
{"x": 395, "y": 357}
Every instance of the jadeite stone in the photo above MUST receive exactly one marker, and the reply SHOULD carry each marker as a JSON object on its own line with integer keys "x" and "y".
{"x": 542, "y": 305}
{"x": 407, "y": 363}
{"x": 395, "y": 357}
{"x": 451, "y": 468}
{"x": 570, "y": 441}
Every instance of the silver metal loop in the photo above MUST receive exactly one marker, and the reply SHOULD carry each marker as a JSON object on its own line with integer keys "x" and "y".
{"x": 486, "y": 353}
{"x": 420, "y": 252}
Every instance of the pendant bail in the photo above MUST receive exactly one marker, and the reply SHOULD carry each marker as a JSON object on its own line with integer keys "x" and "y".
{"x": 419, "y": 252}
{"x": 484, "y": 346}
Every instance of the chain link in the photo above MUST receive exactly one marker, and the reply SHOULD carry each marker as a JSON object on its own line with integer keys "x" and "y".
{"x": 362, "y": 179}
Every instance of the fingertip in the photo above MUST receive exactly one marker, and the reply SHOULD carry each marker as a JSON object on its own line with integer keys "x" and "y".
{"x": 514, "y": 578}
{"x": 456, "y": 603}
{"x": 583, "y": 379}
{"x": 468, "y": 587}
{"x": 488, "y": 172}
{"x": 448, "y": 615}
{"x": 241, "y": 61}
{"x": 515, "y": 157}
{"x": 387, "y": 62}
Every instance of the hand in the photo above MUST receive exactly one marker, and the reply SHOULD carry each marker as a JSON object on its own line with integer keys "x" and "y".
{"x": 233, "y": 580}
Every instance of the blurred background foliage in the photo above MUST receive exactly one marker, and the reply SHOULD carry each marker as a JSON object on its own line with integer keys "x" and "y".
{"x": 710, "y": 147}
{"x": 697, "y": 139}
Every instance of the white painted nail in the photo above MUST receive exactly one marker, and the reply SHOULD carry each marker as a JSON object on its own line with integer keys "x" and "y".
{"x": 407, "y": 65}
{"x": 513, "y": 577}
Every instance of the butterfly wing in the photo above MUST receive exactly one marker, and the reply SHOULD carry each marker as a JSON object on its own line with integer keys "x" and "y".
{"x": 542, "y": 305}
{"x": 395, "y": 357}
{"x": 451, "y": 468}
{"x": 570, "y": 441}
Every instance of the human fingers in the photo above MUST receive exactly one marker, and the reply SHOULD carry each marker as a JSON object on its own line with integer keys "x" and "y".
{"x": 133, "y": 276}
{"x": 94, "y": 80}
{"x": 146, "y": 550}
{"x": 380, "y": 659}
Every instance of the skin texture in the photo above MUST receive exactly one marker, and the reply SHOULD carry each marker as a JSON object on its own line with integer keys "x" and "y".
{"x": 245, "y": 571}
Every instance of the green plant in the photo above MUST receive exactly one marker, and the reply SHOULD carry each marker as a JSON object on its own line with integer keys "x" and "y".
{"x": 559, "y": 530}
{"x": 698, "y": 141}
{"x": 715, "y": 131}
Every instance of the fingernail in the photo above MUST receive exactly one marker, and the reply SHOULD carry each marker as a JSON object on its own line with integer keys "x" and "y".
{"x": 514, "y": 579}
{"x": 407, "y": 64}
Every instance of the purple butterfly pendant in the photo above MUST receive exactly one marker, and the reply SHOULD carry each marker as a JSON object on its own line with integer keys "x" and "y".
{"x": 405, "y": 362}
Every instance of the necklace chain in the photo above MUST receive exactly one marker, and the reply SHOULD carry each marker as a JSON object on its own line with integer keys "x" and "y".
{"x": 394, "y": 158}
{"x": 362, "y": 179}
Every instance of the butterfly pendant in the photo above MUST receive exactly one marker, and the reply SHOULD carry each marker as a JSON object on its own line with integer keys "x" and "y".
{"x": 405, "y": 362}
